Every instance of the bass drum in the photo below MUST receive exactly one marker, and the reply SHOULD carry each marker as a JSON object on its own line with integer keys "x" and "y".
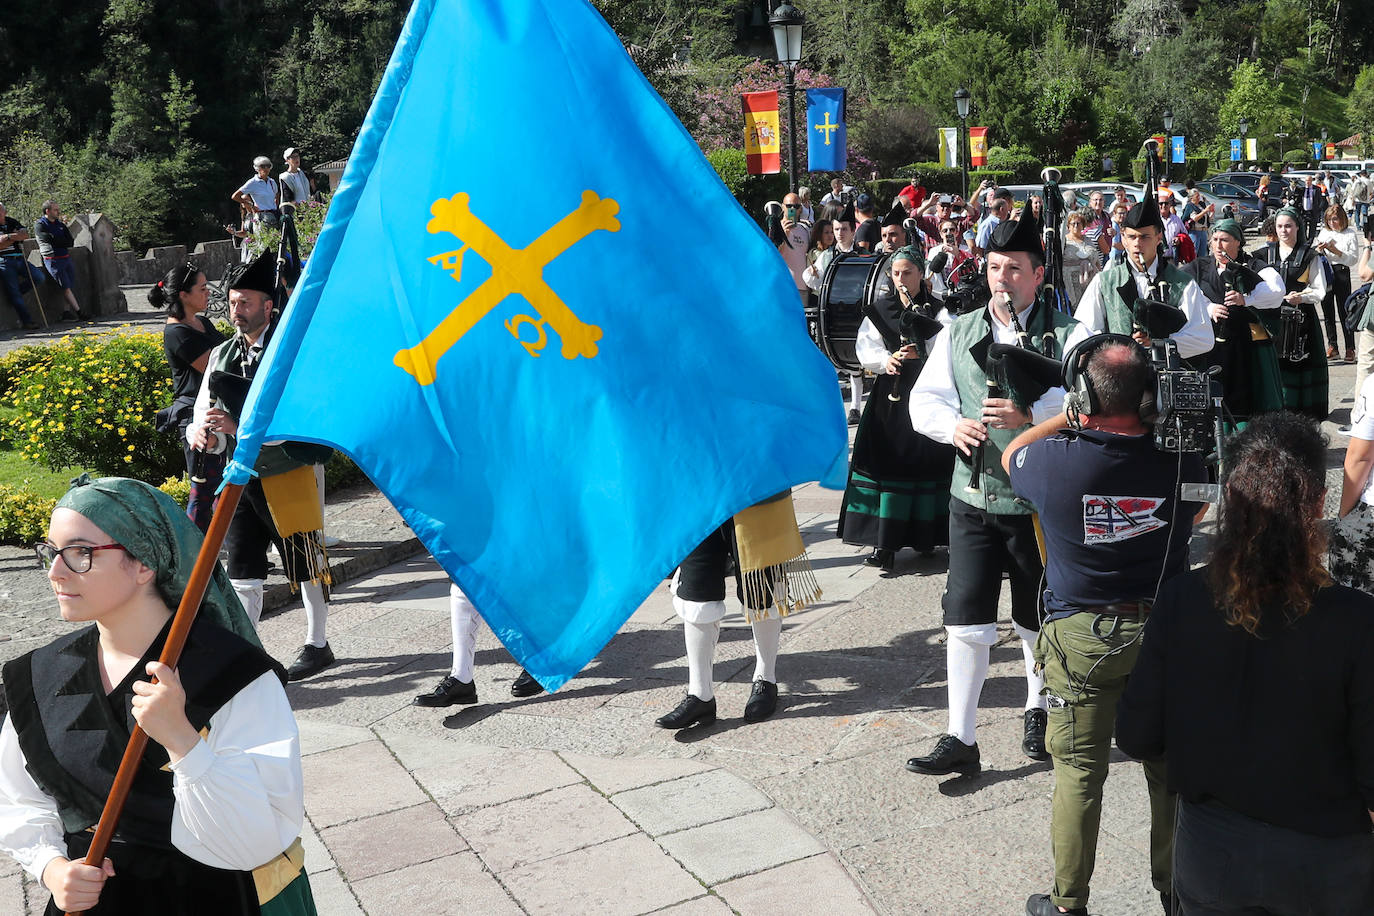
{"x": 851, "y": 281}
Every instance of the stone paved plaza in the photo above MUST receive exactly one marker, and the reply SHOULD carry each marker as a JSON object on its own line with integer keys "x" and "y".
{"x": 576, "y": 803}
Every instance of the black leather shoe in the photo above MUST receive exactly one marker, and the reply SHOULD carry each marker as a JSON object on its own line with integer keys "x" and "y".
{"x": 950, "y": 756}
{"x": 449, "y": 692}
{"x": 1034, "y": 741}
{"x": 763, "y": 701}
{"x": 312, "y": 660}
{"x": 1041, "y": 905}
{"x": 689, "y": 712}
{"x": 881, "y": 558}
{"x": 853, "y": 417}
{"x": 525, "y": 685}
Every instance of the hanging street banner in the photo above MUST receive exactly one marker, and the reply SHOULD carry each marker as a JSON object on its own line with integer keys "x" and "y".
{"x": 826, "y": 140}
{"x": 1252, "y": 148}
{"x": 762, "y": 143}
{"x": 1235, "y": 150}
{"x": 978, "y": 146}
{"x": 1176, "y": 151}
{"x": 949, "y": 146}
{"x": 1316, "y": 149}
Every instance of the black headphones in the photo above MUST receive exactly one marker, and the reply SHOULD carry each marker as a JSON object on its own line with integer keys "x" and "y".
{"x": 1080, "y": 398}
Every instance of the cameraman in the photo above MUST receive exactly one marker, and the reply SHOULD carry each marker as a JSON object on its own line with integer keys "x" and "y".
{"x": 1114, "y": 529}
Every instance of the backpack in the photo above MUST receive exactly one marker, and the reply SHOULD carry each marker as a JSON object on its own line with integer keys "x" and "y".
{"x": 1184, "y": 250}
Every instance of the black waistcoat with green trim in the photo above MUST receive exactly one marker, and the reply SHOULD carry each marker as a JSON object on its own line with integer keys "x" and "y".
{"x": 970, "y": 336}
{"x": 73, "y": 735}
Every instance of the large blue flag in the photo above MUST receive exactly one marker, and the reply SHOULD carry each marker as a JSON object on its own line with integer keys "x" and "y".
{"x": 826, "y": 140}
{"x": 543, "y": 327}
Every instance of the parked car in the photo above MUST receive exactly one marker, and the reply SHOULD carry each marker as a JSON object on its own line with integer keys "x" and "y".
{"x": 1244, "y": 203}
{"x": 1250, "y": 181}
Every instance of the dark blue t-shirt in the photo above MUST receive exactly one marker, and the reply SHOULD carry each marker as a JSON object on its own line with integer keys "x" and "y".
{"x": 1109, "y": 509}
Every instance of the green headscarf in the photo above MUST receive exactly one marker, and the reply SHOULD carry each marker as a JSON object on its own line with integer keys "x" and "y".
{"x": 907, "y": 253}
{"x": 1231, "y": 228}
{"x": 1297, "y": 218}
{"x": 155, "y": 531}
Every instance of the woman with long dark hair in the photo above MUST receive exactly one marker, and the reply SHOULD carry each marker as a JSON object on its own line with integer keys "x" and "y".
{"x": 1255, "y": 684}
{"x": 187, "y": 339}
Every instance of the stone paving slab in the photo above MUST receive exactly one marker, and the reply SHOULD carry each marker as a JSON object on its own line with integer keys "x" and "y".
{"x": 689, "y": 802}
{"x": 797, "y": 887}
{"x": 624, "y": 877}
{"x": 455, "y": 885}
{"x": 519, "y": 833}
{"x": 742, "y": 845}
{"x": 391, "y": 840}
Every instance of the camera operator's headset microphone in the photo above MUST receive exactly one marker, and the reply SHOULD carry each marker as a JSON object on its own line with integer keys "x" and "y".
{"x": 1080, "y": 398}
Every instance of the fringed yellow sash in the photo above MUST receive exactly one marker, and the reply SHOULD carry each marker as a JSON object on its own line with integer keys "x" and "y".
{"x": 772, "y": 559}
{"x": 294, "y": 501}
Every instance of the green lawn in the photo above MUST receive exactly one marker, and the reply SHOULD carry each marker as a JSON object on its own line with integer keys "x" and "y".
{"x": 15, "y": 471}
{"x": 1324, "y": 107}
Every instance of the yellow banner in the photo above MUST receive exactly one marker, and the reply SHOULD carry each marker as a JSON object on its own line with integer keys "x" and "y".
{"x": 1251, "y": 148}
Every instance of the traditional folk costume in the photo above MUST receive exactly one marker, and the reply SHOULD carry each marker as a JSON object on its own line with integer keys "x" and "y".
{"x": 281, "y": 505}
{"x": 773, "y": 578}
{"x": 215, "y": 834}
{"x": 898, "y": 490}
{"x": 1114, "y": 302}
{"x": 1305, "y": 381}
{"x": 1244, "y": 351}
{"x": 991, "y": 530}
{"x": 458, "y": 687}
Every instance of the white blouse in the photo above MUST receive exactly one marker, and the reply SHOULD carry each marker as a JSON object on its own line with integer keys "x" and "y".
{"x": 239, "y": 796}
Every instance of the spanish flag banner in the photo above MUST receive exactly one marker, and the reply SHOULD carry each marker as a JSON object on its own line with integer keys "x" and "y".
{"x": 761, "y": 139}
{"x": 978, "y": 146}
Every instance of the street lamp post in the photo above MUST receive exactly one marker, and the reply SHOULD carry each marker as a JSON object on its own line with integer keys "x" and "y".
{"x": 786, "y": 23}
{"x": 1166, "y": 155}
{"x": 1323, "y": 155}
{"x": 961, "y": 100}
{"x": 1281, "y": 136}
{"x": 1244, "y": 127}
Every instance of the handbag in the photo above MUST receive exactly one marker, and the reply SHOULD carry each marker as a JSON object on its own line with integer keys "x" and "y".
{"x": 1358, "y": 315}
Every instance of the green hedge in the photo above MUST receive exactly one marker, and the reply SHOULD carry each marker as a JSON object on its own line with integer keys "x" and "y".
{"x": 1024, "y": 167}
{"x": 1087, "y": 162}
{"x": 88, "y": 401}
{"x": 941, "y": 179}
{"x": 1003, "y": 177}
{"x": 752, "y": 191}
{"x": 16, "y": 364}
{"x": 24, "y": 514}
{"x": 884, "y": 191}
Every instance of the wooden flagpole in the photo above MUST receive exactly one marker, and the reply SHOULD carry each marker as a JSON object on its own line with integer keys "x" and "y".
{"x": 171, "y": 654}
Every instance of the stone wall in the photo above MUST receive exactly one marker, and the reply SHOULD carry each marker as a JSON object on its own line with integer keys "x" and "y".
{"x": 212, "y": 257}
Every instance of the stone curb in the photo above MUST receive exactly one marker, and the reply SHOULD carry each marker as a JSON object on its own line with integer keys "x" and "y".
{"x": 277, "y": 596}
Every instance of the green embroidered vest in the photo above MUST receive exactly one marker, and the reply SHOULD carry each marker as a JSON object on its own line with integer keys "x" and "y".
{"x": 969, "y": 337}
{"x": 272, "y": 459}
{"x": 1117, "y": 308}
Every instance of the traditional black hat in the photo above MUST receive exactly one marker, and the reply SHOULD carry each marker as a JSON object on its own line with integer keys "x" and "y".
{"x": 259, "y": 274}
{"x": 1013, "y": 235}
{"x": 895, "y": 217}
{"x": 1144, "y": 215}
{"x": 847, "y": 215}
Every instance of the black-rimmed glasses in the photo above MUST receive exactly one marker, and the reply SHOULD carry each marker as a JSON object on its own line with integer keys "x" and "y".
{"x": 77, "y": 557}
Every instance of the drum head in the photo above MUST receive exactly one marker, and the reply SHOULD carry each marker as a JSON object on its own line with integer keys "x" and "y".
{"x": 850, "y": 281}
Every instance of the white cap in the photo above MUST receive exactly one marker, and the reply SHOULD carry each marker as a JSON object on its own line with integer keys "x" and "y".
{"x": 290, "y": 151}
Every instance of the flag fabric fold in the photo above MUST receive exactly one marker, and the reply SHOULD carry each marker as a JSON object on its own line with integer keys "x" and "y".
{"x": 562, "y": 391}
{"x": 827, "y": 145}
{"x": 978, "y": 146}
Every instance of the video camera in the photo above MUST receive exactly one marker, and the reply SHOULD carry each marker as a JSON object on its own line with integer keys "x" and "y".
{"x": 1187, "y": 403}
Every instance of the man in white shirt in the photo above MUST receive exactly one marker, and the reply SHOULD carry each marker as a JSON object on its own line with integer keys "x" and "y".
{"x": 261, "y": 194}
{"x": 990, "y": 530}
{"x": 1108, "y": 304}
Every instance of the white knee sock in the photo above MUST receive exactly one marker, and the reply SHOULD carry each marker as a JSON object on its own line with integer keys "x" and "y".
{"x": 1035, "y": 683}
{"x": 856, "y": 391}
{"x": 464, "y": 620}
{"x": 767, "y": 635}
{"x": 250, "y": 596}
{"x": 701, "y": 657}
{"x": 966, "y": 656}
{"x": 316, "y": 612}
